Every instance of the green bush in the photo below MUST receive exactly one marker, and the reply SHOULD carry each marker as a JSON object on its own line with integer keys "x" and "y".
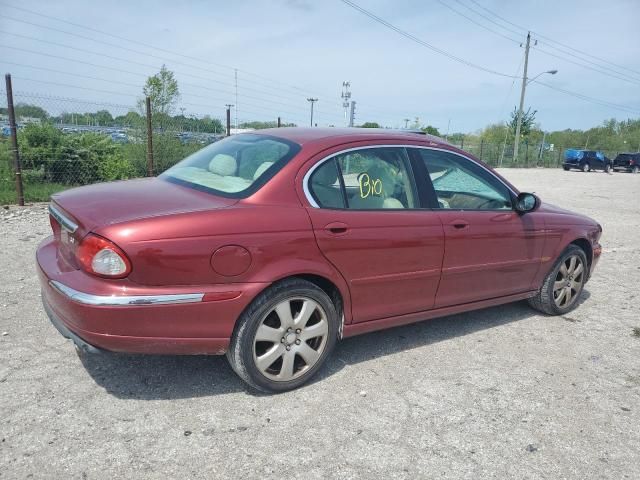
{"x": 116, "y": 167}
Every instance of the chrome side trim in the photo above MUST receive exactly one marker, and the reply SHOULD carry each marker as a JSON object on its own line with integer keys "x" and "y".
{"x": 64, "y": 221}
{"x": 305, "y": 180}
{"x": 125, "y": 300}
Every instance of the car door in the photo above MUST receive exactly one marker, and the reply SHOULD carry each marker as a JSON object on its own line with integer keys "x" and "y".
{"x": 490, "y": 249}
{"x": 368, "y": 223}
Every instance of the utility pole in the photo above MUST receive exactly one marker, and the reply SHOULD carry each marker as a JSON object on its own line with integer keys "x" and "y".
{"x": 14, "y": 141}
{"x": 236, "y": 104}
{"x": 352, "y": 115}
{"x": 544, "y": 137}
{"x": 406, "y": 123}
{"x": 229, "y": 105}
{"x": 346, "y": 96}
{"x": 149, "y": 138}
{"x": 524, "y": 87}
{"x": 312, "y": 101}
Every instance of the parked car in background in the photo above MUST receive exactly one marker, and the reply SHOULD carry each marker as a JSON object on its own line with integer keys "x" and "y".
{"x": 629, "y": 162}
{"x": 271, "y": 246}
{"x": 586, "y": 160}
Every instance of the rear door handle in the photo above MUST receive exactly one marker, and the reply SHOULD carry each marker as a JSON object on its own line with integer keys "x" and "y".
{"x": 337, "y": 228}
{"x": 459, "y": 224}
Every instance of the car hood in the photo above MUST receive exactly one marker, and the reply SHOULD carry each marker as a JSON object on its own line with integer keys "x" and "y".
{"x": 116, "y": 202}
{"x": 566, "y": 216}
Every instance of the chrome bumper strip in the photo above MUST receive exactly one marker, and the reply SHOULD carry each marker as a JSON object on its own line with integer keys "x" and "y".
{"x": 125, "y": 300}
{"x": 63, "y": 220}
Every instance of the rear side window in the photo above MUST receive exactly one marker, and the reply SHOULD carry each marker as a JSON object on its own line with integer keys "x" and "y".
{"x": 377, "y": 178}
{"x": 460, "y": 184}
{"x": 365, "y": 179}
{"x": 325, "y": 186}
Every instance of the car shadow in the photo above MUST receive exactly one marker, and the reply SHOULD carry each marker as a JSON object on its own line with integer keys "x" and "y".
{"x": 160, "y": 377}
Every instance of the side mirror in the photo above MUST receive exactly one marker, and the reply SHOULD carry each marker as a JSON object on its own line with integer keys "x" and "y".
{"x": 527, "y": 202}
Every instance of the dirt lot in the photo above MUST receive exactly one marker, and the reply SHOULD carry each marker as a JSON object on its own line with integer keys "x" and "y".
{"x": 499, "y": 393}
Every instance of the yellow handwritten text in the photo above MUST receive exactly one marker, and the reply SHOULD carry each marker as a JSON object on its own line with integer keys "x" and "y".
{"x": 369, "y": 186}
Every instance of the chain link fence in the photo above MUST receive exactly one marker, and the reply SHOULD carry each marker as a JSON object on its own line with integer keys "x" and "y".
{"x": 65, "y": 142}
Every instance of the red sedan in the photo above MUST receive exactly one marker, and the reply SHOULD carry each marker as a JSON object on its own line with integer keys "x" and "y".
{"x": 272, "y": 245}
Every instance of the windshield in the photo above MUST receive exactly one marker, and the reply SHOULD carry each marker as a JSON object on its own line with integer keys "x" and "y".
{"x": 234, "y": 167}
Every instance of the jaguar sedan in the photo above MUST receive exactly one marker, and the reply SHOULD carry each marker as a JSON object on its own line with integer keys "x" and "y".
{"x": 271, "y": 246}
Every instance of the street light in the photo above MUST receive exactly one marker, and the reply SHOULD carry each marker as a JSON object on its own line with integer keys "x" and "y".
{"x": 550, "y": 72}
{"x": 525, "y": 82}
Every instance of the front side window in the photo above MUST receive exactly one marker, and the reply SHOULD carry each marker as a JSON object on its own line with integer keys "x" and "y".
{"x": 234, "y": 167}
{"x": 460, "y": 184}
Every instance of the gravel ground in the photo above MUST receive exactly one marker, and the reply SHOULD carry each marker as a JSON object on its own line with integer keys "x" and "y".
{"x": 498, "y": 393}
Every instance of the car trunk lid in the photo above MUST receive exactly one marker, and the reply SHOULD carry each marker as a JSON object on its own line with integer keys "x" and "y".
{"x": 117, "y": 202}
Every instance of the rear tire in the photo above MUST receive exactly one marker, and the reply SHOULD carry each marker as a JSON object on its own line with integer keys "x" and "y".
{"x": 635, "y": 169}
{"x": 284, "y": 337}
{"x": 563, "y": 285}
{"x": 585, "y": 167}
{"x": 607, "y": 168}
{"x": 565, "y": 168}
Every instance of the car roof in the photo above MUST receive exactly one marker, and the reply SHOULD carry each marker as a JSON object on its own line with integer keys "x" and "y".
{"x": 302, "y": 135}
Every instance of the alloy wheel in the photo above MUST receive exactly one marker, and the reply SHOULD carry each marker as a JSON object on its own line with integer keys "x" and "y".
{"x": 568, "y": 283}
{"x": 290, "y": 339}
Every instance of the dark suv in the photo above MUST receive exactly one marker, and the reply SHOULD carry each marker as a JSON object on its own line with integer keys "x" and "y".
{"x": 629, "y": 162}
{"x": 586, "y": 160}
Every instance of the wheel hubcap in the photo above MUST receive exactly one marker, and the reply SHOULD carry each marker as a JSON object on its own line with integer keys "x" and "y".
{"x": 568, "y": 283}
{"x": 290, "y": 339}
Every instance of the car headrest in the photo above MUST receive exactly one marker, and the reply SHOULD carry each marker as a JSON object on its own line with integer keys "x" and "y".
{"x": 325, "y": 175}
{"x": 223, "y": 164}
{"x": 261, "y": 169}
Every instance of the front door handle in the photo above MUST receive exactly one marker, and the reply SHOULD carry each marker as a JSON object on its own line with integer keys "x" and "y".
{"x": 336, "y": 228}
{"x": 459, "y": 224}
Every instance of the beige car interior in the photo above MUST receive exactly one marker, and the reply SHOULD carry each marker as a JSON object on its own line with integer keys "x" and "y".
{"x": 221, "y": 174}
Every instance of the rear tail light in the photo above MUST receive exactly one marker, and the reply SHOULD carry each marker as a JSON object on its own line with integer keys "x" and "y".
{"x": 99, "y": 256}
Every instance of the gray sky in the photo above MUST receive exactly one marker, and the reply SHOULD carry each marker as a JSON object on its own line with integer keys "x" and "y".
{"x": 287, "y": 50}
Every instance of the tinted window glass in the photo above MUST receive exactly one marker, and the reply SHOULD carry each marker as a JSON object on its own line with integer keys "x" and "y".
{"x": 377, "y": 178}
{"x": 325, "y": 186}
{"x": 235, "y": 166}
{"x": 463, "y": 185}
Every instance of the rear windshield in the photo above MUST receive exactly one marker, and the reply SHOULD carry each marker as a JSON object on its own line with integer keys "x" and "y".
{"x": 236, "y": 166}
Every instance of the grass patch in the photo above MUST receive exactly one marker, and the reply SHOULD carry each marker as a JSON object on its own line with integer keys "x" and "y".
{"x": 36, "y": 192}
{"x": 636, "y": 332}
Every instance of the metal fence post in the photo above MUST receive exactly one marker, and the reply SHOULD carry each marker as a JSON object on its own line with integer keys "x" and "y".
{"x": 228, "y": 121}
{"x": 462, "y": 143}
{"x": 279, "y": 123}
{"x": 14, "y": 141}
{"x": 149, "y": 139}
{"x": 481, "y": 148}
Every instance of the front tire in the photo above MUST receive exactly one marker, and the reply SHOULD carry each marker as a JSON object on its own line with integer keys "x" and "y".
{"x": 607, "y": 168}
{"x": 284, "y": 337}
{"x": 635, "y": 169}
{"x": 563, "y": 285}
{"x": 585, "y": 167}
{"x": 565, "y": 168}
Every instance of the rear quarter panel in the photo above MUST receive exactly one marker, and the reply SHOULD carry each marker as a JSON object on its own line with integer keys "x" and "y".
{"x": 177, "y": 250}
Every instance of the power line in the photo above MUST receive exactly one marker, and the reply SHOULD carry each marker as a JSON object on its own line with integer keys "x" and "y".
{"x": 71, "y": 47}
{"x": 602, "y": 70}
{"x": 444, "y": 4}
{"x": 552, "y": 40}
{"x": 591, "y": 99}
{"x": 421, "y": 42}
{"x": 118, "y": 37}
{"x": 274, "y": 102}
{"x": 625, "y": 78}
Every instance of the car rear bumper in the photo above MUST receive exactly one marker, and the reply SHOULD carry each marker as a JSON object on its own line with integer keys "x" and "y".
{"x": 119, "y": 316}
